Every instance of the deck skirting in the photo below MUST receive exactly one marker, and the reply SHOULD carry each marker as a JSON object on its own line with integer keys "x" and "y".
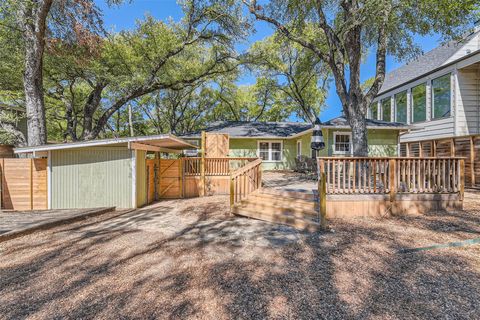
{"x": 379, "y": 205}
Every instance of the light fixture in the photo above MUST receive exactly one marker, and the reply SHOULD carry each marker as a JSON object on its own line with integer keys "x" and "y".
{"x": 317, "y": 142}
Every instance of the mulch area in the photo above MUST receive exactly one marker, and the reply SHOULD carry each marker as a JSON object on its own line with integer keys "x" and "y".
{"x": 190, "y": 259}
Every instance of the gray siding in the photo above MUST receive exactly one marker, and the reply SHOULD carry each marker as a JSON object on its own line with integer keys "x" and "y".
{"x": 91, "y": 177}
{"x": 467, "y": 100}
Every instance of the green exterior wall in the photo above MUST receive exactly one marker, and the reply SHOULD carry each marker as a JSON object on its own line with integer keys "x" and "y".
{"x": 91, "y": 177}
{"x": 141, "y": 177}
{"x": 381, "y": 143}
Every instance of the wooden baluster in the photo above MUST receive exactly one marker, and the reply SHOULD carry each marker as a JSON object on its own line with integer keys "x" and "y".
{"x": 374, "y": 176}
{"x": 339, "y": 168}
{"x": 354, "y": 175}
{"x": 333, "y": 176}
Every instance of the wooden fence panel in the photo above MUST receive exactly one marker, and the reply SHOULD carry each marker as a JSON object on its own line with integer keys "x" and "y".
{"x": 217, "y": 145}
{"x": 24, "y": 184}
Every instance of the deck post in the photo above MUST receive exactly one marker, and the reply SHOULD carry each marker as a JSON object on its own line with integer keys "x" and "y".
{"x": 202, "y": 166}
{"x": 232, "y": 195}
{"x": 462, "y": 178}
{"x": 392, "y": 179}
{"x": 322, "y": 199}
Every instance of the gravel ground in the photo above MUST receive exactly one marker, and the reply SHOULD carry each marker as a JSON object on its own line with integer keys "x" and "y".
{"x": 189, "y": 259}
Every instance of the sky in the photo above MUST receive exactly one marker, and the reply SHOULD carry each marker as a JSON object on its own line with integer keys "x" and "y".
{"x": 123, "y": 17}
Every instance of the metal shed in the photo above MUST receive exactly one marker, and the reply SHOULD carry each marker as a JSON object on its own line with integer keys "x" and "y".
{"x": 100, "y": 173}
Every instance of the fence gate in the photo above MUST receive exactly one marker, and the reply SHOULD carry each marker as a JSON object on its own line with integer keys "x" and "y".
{"x": 170, "y": 174}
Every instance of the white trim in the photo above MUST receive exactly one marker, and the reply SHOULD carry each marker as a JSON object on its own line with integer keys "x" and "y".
{"x": 134, "y": 178}
{"x": 270, "y": 149}
{"x": 299, "y": 142}
{"x": 344, "y": 133}
{"x": 49, "y": 180}
{"x": 91, "y": 143}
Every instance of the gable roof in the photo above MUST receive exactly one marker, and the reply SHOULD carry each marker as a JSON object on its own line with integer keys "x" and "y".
{"x": 252, "y": 129}
{"x": 426, "y": 63}
{"x": 342, "y": 123}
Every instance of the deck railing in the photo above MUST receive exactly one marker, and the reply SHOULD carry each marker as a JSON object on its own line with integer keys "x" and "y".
{"x": 392, "y": 175}
{"x": 244, "y": 181}
{"x": 213, "y": 166}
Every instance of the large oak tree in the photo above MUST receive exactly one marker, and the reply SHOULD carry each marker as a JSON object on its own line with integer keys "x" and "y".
{"x": 342, "y": 32}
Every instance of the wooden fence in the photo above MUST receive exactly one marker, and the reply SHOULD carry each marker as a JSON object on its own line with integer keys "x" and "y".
{"x": 466, "y": 146}
{"x": 23, "y": 184}
{"x": 244, "y": 181}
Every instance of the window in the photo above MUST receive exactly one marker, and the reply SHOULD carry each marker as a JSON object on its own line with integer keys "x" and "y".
{"x": 342, "y": 143}
{"x": 299, "y": 148}
{"x": 441, "y": 97}
{"x": 374, "y": 111}
{"x": 419, "y": 103}
{"x": 270, "y": 150}
{"x": 401, "y": 107}
{"x": 386, "y": 110}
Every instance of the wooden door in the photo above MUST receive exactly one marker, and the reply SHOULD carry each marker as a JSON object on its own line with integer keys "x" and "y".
{"x": 170, "y": 186}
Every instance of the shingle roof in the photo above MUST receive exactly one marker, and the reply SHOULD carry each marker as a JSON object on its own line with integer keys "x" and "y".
{"x": 341, "y": 122}
{"x": 422, "y": 65}
{"x": 255, "y": 129}
{"x": 250, "y": 129}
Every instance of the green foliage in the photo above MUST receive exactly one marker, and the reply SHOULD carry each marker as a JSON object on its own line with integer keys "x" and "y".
{"x": 297, "y": 78}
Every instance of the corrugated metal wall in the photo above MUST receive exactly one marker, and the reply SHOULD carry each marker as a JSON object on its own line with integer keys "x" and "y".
{"x": 91, "y": 177}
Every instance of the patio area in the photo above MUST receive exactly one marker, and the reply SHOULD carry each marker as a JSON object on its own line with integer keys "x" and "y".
{"x": 290, "y": 181}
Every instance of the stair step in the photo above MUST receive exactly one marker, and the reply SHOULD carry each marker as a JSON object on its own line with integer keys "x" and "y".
{"x": 281, "y": 207}
{"x": 296, "y": 222}
{"x": 308, "y": 196}
{"x": 269, "y": 199}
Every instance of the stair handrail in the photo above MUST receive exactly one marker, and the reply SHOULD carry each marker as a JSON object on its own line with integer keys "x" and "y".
{"x": 252, "y": 171}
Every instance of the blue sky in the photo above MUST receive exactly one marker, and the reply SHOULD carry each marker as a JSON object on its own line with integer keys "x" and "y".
{"x": 123, "y": 17}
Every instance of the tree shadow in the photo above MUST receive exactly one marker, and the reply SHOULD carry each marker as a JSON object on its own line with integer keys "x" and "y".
{"x": 197, "y": 262}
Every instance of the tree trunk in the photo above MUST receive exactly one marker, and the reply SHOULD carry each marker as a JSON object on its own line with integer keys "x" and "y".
{"x": 358, "y": 124}
{"x": 34, "y": 15}
{"x": 130, "y": 120}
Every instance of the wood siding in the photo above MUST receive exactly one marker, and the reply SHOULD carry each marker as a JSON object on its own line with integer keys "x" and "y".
{"x": 91, "y": 177}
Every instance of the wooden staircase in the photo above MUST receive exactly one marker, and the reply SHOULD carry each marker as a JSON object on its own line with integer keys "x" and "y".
{"x": 294, "y": 208}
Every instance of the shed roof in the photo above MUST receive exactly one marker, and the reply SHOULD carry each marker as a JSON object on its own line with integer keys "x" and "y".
{"x": 166, "y": 141}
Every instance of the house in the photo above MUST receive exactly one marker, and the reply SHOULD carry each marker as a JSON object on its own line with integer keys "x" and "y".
{"x": 279, "y": 143}
{"x": 438, "y": 95}
{"x": 87, "y": 174}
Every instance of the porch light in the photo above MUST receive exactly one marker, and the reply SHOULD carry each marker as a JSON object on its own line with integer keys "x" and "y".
{"x": 317, "y": 142}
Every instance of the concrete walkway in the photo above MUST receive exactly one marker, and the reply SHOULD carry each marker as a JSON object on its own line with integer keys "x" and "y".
{"x": 17, "y": 223}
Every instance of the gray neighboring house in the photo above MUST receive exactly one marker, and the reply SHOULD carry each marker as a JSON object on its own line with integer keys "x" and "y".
{"x": 438, "y": 95}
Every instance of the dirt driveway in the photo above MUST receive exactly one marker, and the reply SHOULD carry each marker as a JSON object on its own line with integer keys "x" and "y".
{"x": 188, "y": 259}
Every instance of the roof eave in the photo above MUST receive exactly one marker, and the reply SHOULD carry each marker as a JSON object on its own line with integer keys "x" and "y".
{"x": 106, "y": 142}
